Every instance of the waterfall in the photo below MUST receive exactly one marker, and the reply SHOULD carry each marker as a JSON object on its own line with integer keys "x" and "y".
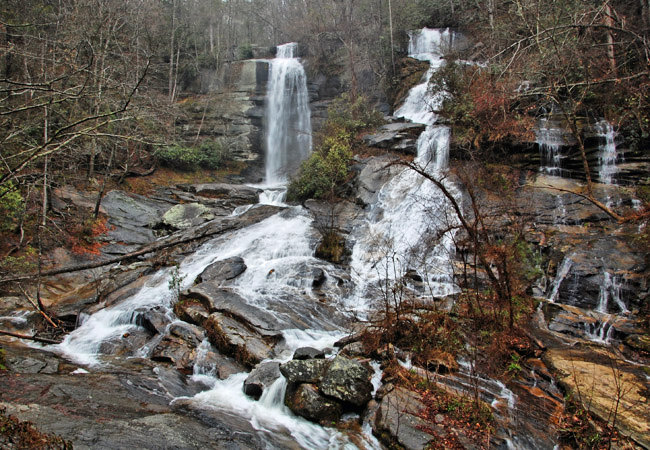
{"x": 562, "y": 273}
{"x": 607, "y": 154}
{"x": 401, "y": 232}
{"x": 550, "y": 139}
{"x": 288, "y": 134}
{"x": 610, "y": 289}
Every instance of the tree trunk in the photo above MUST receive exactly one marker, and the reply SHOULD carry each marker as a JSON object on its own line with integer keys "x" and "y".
{"x": 611, "y": 55}
{"x": 392, "y": 43}
{"x": 171, "y": 51}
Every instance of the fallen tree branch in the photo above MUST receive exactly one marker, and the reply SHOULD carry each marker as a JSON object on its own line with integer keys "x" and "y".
{"x": 593, "y": 201}
{"x": 31, "y": 338}
{"x": 156, "y": 246}
{"x": 36, "y": 307}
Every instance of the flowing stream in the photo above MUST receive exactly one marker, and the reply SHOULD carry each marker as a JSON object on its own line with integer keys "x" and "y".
{"x": 278, "y": 253}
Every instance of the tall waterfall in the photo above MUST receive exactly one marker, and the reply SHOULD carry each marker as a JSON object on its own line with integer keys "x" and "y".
{"x": 288, "y": 134}
{"x": 401, "y": 233}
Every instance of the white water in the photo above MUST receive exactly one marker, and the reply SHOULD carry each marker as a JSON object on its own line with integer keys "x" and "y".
{"x": 610, "y": 289}
{"x": 600, "y": 332}
{"x": 608, "y": 154}
{"x": 288, "y": 133}
{"x": 397, "y": 237}
{"x": 561, "y": 274}
{"x": 278, "y": 249}
{"x": 550, "y": 139}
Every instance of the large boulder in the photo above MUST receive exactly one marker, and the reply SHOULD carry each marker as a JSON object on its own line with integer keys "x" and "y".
{"x": 398, "y": 417}
{"x": 260, "y": 378}
{"x": 131, "y": 217}
{"x": 178, "y": 346}
{"x": 217, "y": 299}
{"x": 235, "y": 339}
{"x": 399, "y": 136}
{"x": 304, "y": 371}
{"x": 223, "y": 270}
{"x": 606, "y": 382}
{"x": 347, "y": 380}
{"x": 306, "y": 401}
{"x": 183, "y": 216}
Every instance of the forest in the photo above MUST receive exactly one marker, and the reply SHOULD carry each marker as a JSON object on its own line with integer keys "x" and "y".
{"x": 530, "y": 268}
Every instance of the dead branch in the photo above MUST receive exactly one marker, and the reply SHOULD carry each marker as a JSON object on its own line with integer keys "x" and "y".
{"x": 31, "y": 338}
{"x": 156, "y": 246}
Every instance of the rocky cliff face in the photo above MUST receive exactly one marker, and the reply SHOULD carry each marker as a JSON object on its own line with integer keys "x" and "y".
{"x": 229, "y": 107}
{"x": 231, "y": 111}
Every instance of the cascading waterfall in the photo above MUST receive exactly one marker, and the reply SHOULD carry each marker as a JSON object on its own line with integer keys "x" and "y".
{"x": 288, "y": 133}
{"x": 608, "y": 154}
{"x": 562, "y": 273}
{"x": 550, "y": 139}
{"x": 410, "y": 209}
{"x": 610, "y": 289}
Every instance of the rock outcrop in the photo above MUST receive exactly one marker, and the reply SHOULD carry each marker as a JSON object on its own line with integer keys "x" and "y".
{"x": 322, "y": 389}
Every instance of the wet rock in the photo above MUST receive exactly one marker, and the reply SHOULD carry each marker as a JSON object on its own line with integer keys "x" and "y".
{"x": 126, "y": 344}
{"x": 308, "y": 353}
{"x": 121, "y": 410}
{"x": 397, "y": 417}
{"x": 347, "y": 380}
{"x": 306, "y": 401}
{"x": 31, "y": 364}
{"x": 187, "y": 215}
{"x": 223, "y": 270}
{"x": 131, "y": 217}
{"x": 604, "y": 381}
{"x": 236, "y": 194}
{"x": 153, "y": 320}
{"x": 374, "y": 174}
{"x": 236, "y": 340}
{"x": 179, "y": 346}
{"x": 191, "y": 311}
{"x": 304, "y": 371}
{"x": 222, "y": 300}
{"x": 398, "y": 136}
{"x": 260, "y": 378}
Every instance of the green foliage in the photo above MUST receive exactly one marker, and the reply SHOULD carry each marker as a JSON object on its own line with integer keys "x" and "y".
{"x": 514, "y": 367}
{"x": 245, "y": 51}
{"x": 175, "y": 282}
{"x": 208, "y": 155}
{"x": 329, "y": 166}
{"x": 24, "y": 263}
{"x": 11, "y": 206}
{"x": 2, "y": 359}
{"x": 325, "y": 170}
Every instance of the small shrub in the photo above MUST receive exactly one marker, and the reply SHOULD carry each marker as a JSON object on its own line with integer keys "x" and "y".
{"x": 24, "y": 263}
{"x": 323, "y": 173}
{"x": 177, "y": 157}
{"x": 11, "y": 206}
{"x": 175, "y": 282}
{"x": 245, "y": 51}
{"x": 211, "y": 155}
{"x": 208, "y": 155}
